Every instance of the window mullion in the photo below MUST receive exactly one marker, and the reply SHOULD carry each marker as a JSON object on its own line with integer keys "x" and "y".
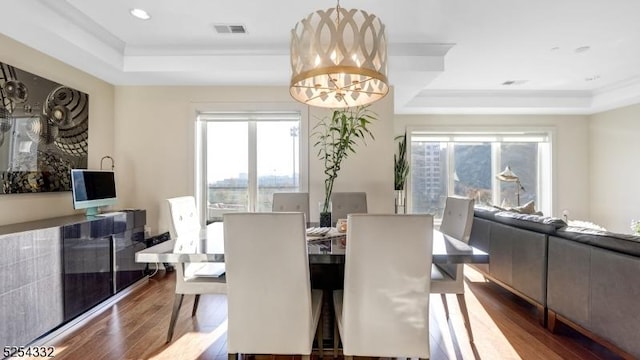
{"x": 495, "y": 169}
{"x": 201, "y": 186}
{"x": 253, "y": 166}
{"x": 451, "y": 169}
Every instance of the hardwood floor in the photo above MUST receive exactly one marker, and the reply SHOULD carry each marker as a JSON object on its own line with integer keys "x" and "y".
{"x": 504, "y": 327}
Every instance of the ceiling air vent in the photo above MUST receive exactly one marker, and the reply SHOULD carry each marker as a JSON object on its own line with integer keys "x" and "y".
{"x": 229, "y": 29}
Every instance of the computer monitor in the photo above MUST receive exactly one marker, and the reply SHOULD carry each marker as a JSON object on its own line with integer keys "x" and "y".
{"x": 92, "y": 189}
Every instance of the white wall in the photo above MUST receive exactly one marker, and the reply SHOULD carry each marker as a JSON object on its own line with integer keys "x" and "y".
{"x": 154, "y": 146}
{"x": 571, "y": 163}
{"x": 615, "y": 168}
{"x": 16, "y": 208}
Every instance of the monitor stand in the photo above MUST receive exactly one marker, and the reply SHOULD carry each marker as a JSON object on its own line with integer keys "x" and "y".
{"x": 92, "y": 211}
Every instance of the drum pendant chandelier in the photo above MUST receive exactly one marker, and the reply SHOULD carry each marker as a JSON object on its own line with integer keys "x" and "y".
{"x": 339, "y": 58}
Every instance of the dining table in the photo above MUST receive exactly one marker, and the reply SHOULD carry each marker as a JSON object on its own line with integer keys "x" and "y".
{"x": 208, "y": 246}
{"x": 326, "y": 258}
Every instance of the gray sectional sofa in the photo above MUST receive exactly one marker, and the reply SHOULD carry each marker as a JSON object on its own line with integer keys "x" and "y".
{"x": 587, "y": 279}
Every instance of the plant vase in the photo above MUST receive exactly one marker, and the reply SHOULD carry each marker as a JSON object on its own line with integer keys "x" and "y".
{"x": 325, "y": 214}
{"x": 400, "y": 201}
{"x": 325, "y": 219}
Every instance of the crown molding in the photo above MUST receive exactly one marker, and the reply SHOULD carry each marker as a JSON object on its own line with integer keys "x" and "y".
{"x": 499, "y": 102}
{"x": 82, "y": 23}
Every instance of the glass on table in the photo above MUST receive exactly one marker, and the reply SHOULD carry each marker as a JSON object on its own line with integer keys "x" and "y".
{"x": 341, "y": 225}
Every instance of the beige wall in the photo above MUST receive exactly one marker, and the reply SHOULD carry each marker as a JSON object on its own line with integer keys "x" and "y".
{"x": 154, "y": 142}
{"x": 25, "y": 207}
{"x": 369, "y": 170}
{"x": 571, "y": 162}
{"x": 615, "y": 168}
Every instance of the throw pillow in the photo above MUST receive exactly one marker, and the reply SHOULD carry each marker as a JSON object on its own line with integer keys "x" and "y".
{"x": 528, "y": 208}
{"x": 586, "y": 224}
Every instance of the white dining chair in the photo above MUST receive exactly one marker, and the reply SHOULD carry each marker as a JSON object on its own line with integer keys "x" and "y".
{"x": 271, "y": 307}
{"x": 345, "y": 203}
{"x": 449, "y": 278}
{"x": 384, "y": 307}
{"x": 291, "y": 201}
{"x": 191, "y": 278}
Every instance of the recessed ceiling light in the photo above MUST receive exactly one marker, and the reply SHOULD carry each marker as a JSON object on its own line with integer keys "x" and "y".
{"x": 582, "y": 49}
{"x": 140, "y": 14}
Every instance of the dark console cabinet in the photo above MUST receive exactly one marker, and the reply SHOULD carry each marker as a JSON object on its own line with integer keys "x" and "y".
{"x": 99, "y": 258}
{"x": 128, "y": 238}
{"x": 54, "y": 270}
{"x": 87, "y": 265}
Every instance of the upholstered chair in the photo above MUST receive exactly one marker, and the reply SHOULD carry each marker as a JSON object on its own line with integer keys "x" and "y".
{"x": 291, "y": 202}
{"x": 383, "y": 310}
{"x": 271, "y": 307}
{"x": 449, "y": 278}
{"x": 192, "y": 278}
{"x": 344, "y": 203}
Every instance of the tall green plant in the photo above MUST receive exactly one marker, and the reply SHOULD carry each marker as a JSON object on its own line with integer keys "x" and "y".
{"x": 400, "y": 163}
{"x": 336, "y": 138}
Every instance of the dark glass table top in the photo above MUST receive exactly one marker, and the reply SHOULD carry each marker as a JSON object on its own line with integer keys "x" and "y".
{"x": 329, "y": 249}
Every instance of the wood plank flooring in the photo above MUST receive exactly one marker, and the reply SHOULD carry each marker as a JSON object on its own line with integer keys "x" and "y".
{"x": 504, "y": 327}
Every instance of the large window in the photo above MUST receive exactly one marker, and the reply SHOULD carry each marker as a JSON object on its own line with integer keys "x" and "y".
{"x": 246, "y": 157}
{"x": 466, "y": 164}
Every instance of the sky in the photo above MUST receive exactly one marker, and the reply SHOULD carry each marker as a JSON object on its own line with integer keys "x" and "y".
{"x": 227, "y": 149}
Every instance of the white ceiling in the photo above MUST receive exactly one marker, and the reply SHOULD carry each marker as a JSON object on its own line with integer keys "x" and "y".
{"x": 445, "y": 56}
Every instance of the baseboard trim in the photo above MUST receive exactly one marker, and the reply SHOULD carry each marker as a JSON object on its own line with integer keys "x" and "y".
{"x": 554, "y": 318}
{"x": 75, "y": 324}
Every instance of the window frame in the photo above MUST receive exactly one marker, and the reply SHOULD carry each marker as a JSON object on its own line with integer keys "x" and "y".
{"x": 546, "y": 171}
{"x": 203, "y": 115}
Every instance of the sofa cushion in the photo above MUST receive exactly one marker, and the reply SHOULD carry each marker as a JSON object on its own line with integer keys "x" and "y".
{"x": 485, "y": 212}
{"x": 543, "y": 224}
{"x": 623, "y": 243}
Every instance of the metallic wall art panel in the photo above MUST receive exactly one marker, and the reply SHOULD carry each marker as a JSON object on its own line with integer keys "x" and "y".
{"x": 44, "y": 132}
